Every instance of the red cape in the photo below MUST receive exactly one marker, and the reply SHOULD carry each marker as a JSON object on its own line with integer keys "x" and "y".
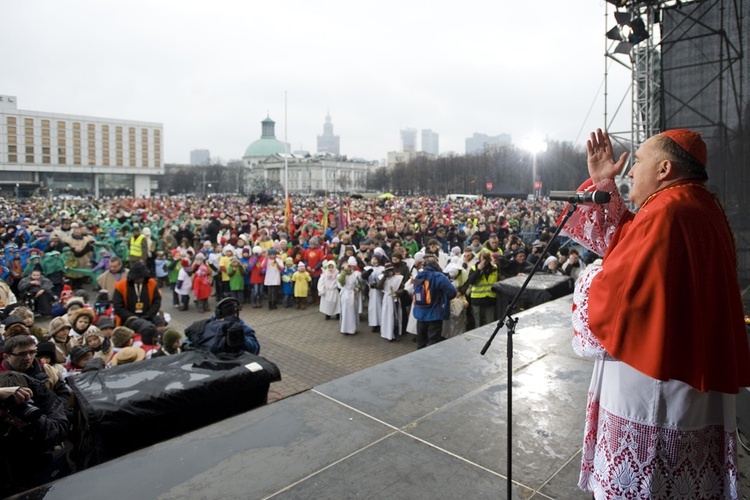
{"x": 667, "y": 301}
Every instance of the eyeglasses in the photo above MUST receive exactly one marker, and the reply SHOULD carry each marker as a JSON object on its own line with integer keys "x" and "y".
{"x": 25, "y": 354}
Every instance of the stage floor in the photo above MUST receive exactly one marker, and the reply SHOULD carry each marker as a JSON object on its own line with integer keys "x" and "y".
{"x": 430, "y": 424}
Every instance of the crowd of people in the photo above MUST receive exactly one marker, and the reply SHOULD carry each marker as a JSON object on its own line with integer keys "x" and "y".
{"x": 423, "y": 266}
{"x": 276, "y": 255}
{"x": 103, "y": 273}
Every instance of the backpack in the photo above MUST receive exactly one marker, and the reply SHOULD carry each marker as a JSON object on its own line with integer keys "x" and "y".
{"x": 422, "y": 293}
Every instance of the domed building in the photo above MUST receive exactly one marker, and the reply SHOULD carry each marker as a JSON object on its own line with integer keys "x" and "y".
{"x": 301, "y": 173}
{"x": 264, "y": 147}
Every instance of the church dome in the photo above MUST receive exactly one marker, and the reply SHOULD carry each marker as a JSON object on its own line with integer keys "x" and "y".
{"x": 267, "y": 145}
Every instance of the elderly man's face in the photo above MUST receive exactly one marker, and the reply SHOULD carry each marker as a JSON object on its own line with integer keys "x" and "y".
{"x": 646, "y": 171}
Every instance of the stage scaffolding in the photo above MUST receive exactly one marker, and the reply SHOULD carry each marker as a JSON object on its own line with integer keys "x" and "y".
{"x": 689, "y": 69}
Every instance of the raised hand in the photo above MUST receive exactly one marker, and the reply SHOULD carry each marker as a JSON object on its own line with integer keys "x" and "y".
{"x": 601, "y": 160}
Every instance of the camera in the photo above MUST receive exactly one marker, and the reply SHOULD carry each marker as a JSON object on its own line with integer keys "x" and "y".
{"x": 235, "y": 336}
{"x": 25, "y": 411}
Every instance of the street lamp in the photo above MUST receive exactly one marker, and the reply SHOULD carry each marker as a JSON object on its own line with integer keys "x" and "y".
{"x": 534, "y": 145}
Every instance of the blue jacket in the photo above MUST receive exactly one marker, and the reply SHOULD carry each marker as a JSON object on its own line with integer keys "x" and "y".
{"x": 442, "y": 291}
{"x": 211, "y": 335}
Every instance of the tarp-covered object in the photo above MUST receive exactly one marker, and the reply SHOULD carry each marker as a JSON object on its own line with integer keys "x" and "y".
{"x": 132, "y": 406}
{"x": 505, "y": 191}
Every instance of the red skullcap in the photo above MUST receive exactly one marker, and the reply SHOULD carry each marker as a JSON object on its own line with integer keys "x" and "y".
{"x": 691, "y": 142}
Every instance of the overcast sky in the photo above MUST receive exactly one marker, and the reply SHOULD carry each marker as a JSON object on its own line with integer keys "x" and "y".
{"x": 211, "y": 71}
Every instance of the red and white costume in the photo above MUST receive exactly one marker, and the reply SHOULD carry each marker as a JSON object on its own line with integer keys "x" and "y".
{"x": 662, "y": 316}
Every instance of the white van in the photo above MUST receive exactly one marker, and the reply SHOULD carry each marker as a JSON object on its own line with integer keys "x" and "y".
{"x": 456, "y": 197}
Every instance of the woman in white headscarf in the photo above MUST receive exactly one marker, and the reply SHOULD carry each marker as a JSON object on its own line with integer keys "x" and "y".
{"x": 350, "y": 297}
{"x": 328, "y": 290}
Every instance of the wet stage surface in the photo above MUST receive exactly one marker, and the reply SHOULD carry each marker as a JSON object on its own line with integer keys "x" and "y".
{"x": 430, "y": 424}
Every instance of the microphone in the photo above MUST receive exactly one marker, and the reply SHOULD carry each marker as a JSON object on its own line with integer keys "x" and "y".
{"x": 597, "y": 197}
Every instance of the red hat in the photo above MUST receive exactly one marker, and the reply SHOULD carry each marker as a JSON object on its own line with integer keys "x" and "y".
{"x": 691, "y": 142}
{"x": 175, "y": 251}
{"x": 185, "y": 262}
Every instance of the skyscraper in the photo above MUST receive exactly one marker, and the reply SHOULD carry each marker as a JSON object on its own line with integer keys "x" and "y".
{"x": 200, "y": 157}
{"x": 328, "y": 143}
{"x": 430, "y": 142}
{"x": 409, "y": 139}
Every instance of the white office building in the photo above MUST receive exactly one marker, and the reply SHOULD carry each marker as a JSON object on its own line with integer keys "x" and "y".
{"x": 62, "y": 152}
{"x": 483, "y": 143}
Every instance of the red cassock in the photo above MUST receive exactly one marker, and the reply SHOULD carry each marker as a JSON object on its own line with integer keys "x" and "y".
{"x": 667, "y": 301}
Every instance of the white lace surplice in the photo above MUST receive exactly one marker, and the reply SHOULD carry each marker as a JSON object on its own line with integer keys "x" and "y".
{"x": 645, "y": 438}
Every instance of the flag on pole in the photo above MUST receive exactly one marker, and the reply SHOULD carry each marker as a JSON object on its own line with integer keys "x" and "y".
{"x": 287, "y": 211}
{"x": 325, "y": 216}
{"x": 342, "y": 222}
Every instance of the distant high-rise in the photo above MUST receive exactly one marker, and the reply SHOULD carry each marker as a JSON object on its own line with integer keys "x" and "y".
{"x": 409, "y": 139}
{"x": 329, "y": 143}
{"x": 479, "y": 143}
{"x": 200, "y": 157}
{"x": 430, "y": 142}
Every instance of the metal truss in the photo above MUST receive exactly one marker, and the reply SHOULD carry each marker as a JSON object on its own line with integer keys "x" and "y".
{"x": 644, "y": 62}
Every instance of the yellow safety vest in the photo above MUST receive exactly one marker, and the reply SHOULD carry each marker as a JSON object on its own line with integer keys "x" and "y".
{"x": 136, "y": 246}
{"x": 483, "y": 287}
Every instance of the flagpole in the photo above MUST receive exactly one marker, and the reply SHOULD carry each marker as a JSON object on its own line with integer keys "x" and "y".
{"x": 286, "y": 155}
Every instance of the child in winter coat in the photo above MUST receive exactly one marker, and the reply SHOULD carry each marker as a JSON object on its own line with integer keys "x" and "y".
{"x": 99, "y": 345}
{"x": 287, "y": 287}
{"x": 257, "y": 275}
{"x": 162, "y": 269}
{"x": 301, "y": 281}
{"x": 201, "y": 283}
{"x": 174, "y": 271}
{"x": 103, "y": 264}
{"x": 184, "y": 285}
{"x": 245, "y": 261}
{"x": 80, "y": 323}
{"x": 236, "y": 273}
{"x": 273, "y": 266}
{"x": 224, "y": 262}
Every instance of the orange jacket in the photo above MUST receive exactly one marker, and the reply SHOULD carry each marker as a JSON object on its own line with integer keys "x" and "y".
{"x": 121, "y": 287}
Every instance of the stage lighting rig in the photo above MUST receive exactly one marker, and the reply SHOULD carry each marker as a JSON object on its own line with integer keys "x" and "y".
{"x": 630, "y": 31}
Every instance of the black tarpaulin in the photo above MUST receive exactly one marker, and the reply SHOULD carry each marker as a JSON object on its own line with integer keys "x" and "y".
{"x": 135, "y": 405}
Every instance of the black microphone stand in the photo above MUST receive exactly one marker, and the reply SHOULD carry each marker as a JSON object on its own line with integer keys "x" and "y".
{"x": 510, "y": 321}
